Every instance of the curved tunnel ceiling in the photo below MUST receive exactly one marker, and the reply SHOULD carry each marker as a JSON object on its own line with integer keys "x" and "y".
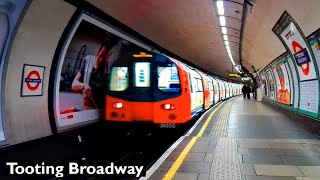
{"x": 190, "y": 28}
{"x": 260, "y": 45}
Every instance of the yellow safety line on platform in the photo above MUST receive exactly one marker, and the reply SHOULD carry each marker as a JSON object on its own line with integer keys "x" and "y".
{"x": 172, "y": 171}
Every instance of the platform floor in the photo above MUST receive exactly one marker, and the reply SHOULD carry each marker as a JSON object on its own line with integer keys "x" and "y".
{"x": 242, "y": 139}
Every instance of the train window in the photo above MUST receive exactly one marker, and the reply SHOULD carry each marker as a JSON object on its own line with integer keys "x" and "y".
{"x": 168, "y": 77}
{"x": 119, "y": 79}
{"x": 210, "y": 86}
{"x": 200, "y": 87}
{"x": 142, "y": 74}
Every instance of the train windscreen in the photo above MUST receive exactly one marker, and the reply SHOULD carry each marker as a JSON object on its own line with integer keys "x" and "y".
{"x": 119, "y": 80}
{"x": 168, "y": 78}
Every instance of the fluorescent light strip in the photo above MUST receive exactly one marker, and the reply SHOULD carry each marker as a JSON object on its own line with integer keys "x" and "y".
{"x": 222, "y": 21}
{"x": 224, "y": 30}
{"x": 225, "y": 37}
{"x": 220, "y": 7}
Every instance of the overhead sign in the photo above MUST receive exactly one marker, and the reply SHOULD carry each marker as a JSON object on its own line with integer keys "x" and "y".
{"x": 32, "y": 80}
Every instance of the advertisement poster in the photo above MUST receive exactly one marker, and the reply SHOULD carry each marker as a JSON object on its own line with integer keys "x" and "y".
{"x": 263, "y": 83}
{"x": 314, "y": 41}
{"x": 10, "y": 13}
{"x": 283, "y": 84}
{"x": 89, "y": 52}
{"x": 271, "y": 85}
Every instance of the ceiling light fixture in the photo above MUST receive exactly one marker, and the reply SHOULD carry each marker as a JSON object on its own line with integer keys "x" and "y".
{"x": 224, "y": 30}
{"x": 225, "y": 37}
{"x": 222, "y": 21}
{"x": 220, "y": 8}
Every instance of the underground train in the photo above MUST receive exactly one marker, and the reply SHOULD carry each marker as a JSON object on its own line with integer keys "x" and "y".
{"x": 153, "y": 87}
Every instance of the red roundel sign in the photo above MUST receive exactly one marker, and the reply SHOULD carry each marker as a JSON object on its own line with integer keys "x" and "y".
{"x": 298, "y": 48}
{"x": 32, "y": 80}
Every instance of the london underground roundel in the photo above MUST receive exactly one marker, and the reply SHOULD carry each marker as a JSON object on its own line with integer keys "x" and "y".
{"x": 32, "y": 80}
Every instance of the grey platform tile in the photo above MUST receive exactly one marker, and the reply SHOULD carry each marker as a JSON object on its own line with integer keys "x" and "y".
{"x": 286, "y": 146}
{"x": 262, "y": 151}
{"x": 247, "y": 169}
{"x": 233, "y": 134}
{"x": 208, "y": 157}
{"x": 202, "y": 143}
{"x": 213, "y": 142}
{"x": 204, "y": 139}
{"x": 203, "y": 176}
{"x": 260, "y": 135}
{"x": 277, "y": 170}
{"x": 185, "y": 176}
{"x": 296, "y": 141}
{"x": 195, "y": 167}
{"x": 241, "y": 140}
{"x": 301, "y": 160}
{"x": 245, "y": 159}
{"x": 203, "y": 148}
{"x": 269, "y": 178}
{"x": 256, "y": 140}
{"x": 243, "y": 150}
{"x": 311, "y": 146}
{"x": 234, "y": 126}
{"x": 254, "y": 145}
{"x": 301, "y": 152}
{"x": 195, "y": 157}
{"x": 311, "y": 141}
{"x": 307, "y": 178}
{"x": 313, "y": 171}
{"x": 266, "y": 159}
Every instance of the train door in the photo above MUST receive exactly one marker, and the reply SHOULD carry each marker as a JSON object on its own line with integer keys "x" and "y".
{"x": 197, "y": 96}
{"x": 211, "y": 89}
{"x": 216, "y": 90}
{"x": 222, "y": 90}
{"x": 227, "y": 90}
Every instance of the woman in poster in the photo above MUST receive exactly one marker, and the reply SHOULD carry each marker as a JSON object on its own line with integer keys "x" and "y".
{"x": 283, "y": 93}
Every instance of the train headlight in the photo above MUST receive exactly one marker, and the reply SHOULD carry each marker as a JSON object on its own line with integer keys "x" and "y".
{"x": 167, "y": 106}
{"x": 118, "y": 105}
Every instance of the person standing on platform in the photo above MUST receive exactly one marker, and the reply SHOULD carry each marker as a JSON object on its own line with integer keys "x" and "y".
{"x": 249, "y": 90}
{"x": 244, "y": 90}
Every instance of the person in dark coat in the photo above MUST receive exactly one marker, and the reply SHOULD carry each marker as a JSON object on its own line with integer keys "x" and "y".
{"x": 244, "y": 90}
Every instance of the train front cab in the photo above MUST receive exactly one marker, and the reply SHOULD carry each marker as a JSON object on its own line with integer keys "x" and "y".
{"x": 148, "y": 88}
